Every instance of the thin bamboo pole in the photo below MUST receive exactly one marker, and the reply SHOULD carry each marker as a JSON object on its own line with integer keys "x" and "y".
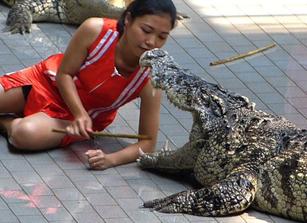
{"x": 240, "y": 56}
{"x": 105, "y": 134}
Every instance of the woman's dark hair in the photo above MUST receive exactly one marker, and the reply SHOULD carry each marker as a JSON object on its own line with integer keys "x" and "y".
{"x": 139, "y": 8}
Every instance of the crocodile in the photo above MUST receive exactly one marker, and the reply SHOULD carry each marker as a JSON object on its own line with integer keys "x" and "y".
{"x": 24, "y": 12}
{"x": 241, "y": 156}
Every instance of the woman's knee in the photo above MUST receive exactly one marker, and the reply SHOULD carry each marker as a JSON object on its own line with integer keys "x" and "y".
{"x": 24, "y": 134}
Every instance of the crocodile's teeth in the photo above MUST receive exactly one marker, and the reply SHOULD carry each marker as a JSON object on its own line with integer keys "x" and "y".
{"x": 166, "y": 146}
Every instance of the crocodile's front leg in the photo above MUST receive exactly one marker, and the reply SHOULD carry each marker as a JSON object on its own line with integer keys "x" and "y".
{"x": 19, "y": 19}
{"x": 232, "y": 195}
{"x": 172, "y": 161}
{"x": 23, "y": 13}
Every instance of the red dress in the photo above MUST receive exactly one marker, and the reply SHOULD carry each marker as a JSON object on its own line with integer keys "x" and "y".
{"x": 101, "y": 88}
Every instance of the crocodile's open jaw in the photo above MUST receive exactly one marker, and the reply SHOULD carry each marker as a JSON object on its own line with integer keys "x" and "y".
{"x": 164, "y": 76}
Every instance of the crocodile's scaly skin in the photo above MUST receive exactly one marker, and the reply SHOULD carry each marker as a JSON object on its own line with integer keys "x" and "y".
{"x": 241, "y": 156}
{"x": 24, "y": 12}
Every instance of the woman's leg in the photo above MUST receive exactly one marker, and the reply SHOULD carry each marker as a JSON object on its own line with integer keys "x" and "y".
{"x": 11, "y": 101}
{"x": 27, "y": 133}
{"x": 34, "y": 132}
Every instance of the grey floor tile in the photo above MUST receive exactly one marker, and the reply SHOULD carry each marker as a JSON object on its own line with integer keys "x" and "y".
{"x": 24, "y": 209}
{"x": 143, "y": 185}
{"x": 250, "y": 77}
{"x": 282, "y": 108}
{"x": 131, "y": 172}
{"x": 3, "y": 171}
{"x": 7, "y": 216}
{"x": 89, "y": 217}
{"x": 48, "y": 170}
{"x": 173, "y": 130}
{"x": 88, "y": 187}
{"x": 269, "y": 71}
{"x": 25, "y": 52}
{"x": 58, "y": 182}
{"x": 111, "y": 211}
{"x": 297, "y": 119}
{"x": 39, "y": 159}
{"x": 100, "y": 199}
{"x": 79, "y": 175}
{"x": 118, "y": 220}
{"x": 260, "y": 87}
{"x": 292, "y": 92}
{"x": 68, "y": 194}
{"x": 298, "y": 102}
{"x": 151, "y": 195}
{"x": 111, "y": 180}
{"x": 173, "y": 219}
{"x": 121, "y": 192}
{"x": 231, "y": 84}
{"x": 271, "y": 98}
{"x": 129, "y": 204}
{"x": 37, "y": 189}
{"x": 199, "y": 219}
{"x": 220, "y": 73}
{"x": 80, "y": 206}
{"x": 240, "y": 67}
{"x": 16, "y": 196}
{"x": 32, "y": 218}
{"x": 56, "y": 214}
{"x": 46, "y": 201}
{"x": 3, "y": 204}
{"x": 26, "y": 177}
{"x": 280, "y": 81}
{"x": 8, "y": 184}
{"x": 297, "y": 75}
{"x": 11, "y": 68}
{"x": 143, "y": 216}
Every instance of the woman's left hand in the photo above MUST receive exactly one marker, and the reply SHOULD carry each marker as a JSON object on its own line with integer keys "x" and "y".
{"x": 98, "y": 160}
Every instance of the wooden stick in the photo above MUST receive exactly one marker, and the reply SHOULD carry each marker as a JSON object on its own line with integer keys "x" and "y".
{"x": 240, "y": 56}
{"x": 105, "y": 134}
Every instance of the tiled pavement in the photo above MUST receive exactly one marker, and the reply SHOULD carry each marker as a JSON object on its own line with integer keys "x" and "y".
{"x": 56, "y": 186}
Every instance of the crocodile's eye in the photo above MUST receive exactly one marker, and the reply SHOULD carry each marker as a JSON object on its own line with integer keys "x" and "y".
{"x": 227, "y": 146}
{"x": 234, "y": 117}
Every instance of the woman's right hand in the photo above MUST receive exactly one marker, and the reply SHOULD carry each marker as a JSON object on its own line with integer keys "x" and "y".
{"x": 81, "y": 126}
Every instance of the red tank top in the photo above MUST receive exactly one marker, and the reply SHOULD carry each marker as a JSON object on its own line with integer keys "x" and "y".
{"x": 101, "y": 88}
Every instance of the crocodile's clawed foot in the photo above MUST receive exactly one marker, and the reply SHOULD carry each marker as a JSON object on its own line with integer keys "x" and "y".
{"x": 19, "y": 28}
{"x": 19, "y": 21}
{"x": 149, "y": 160}
{"x": 146, "y": 160}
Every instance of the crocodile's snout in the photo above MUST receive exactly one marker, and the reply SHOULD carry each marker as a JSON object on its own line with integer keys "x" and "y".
{"x": 148, "y": 58}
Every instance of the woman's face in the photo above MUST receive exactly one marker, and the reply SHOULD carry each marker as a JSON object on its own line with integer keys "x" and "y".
{"x": 147, "y": 32}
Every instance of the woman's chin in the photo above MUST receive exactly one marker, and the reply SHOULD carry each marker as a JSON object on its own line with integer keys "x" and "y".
{"x": 142, "y": 50}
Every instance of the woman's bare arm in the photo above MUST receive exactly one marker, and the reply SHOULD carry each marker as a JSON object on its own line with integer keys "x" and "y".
{"x": 74, "y": 57}
{"x": 148, "y": 125}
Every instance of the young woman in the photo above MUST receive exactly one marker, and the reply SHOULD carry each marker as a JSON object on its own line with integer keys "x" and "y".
{"x": 82, "y": 89}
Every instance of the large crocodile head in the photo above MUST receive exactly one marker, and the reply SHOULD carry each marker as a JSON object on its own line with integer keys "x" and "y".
{"x": 163, "y": 76}
{"x": 190, "y": 92}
